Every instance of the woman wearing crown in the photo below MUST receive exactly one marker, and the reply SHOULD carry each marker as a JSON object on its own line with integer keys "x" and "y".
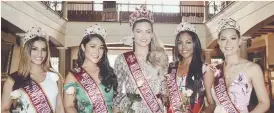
{"x": 185, "y": 75}
{"x": 35, "y": 87}
{"x": 233, "y": 81}
{"x": 90, "y": 87}
{"x": 141, "y": 72}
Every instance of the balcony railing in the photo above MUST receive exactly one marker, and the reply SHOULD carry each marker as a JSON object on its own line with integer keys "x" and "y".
{"x": 214, "y": 7}
{"x": 55, "y": 6}
{"x": 85, "y": 12}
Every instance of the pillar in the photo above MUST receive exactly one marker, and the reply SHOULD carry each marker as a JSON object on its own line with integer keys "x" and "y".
{"x": 64, "y": 60}
{"x": 65, "y": 10}
{"x": 206, "y": 11}
{"x": 208, "y": 55}
{"x": 269, "y": 70}
{"x": 269, "y": 43}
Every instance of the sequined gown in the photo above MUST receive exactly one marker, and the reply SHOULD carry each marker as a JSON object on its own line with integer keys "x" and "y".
{"x": 127, "y": 86}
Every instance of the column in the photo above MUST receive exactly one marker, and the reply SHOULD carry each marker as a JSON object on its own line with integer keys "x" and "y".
{"x": 208, "y": 55}
{"x": 65, "y": 10}
{"x": 269, "y": 43}
{"x": 243, "y": 47}
{"x": 206, "y": 11}
{"x": 63, "y": 57}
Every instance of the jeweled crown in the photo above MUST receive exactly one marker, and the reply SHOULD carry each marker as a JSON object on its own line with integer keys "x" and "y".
{"x": 141, "y": 13}
{"x": 228, "y": 23}
{"x": 185, "y": 26}
{"x": 96, "y": 29}
{"x": 32, "y": 33}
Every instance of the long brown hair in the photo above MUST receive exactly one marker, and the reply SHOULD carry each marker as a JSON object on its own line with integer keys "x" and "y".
{"x": 25, "y": 60}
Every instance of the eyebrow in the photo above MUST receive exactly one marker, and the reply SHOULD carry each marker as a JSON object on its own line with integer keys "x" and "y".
{"x": 185, "y": 40}
{"x": 37, "y": 47}
{"x": 222, "y": 37}
{"x": 233, "y": 36}
{"x": 226, "y": 37}
{"x": 94, "y": 44}
{"x": 145, "y": 30}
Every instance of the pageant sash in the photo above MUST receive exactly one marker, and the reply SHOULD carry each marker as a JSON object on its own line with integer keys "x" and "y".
{"x": 174, "y": 95}
{"x": 38, "y": 98}
{"x": 221, "y": 91}
{"x": 144, "y": 89}
{"x": 92, "y": 90}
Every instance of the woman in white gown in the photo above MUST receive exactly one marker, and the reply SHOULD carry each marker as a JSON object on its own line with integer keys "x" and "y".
{"x": 35, "y": 87}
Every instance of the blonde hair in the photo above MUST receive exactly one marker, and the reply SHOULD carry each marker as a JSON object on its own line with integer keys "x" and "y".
{"x": 25, "y": 60}
{"x": 157, "y": 55}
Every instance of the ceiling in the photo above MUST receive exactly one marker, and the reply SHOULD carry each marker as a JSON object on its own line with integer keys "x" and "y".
{"x": 264, "y": 27}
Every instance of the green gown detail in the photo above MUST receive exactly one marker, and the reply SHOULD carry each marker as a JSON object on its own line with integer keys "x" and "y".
{"x": 83, "y": 103}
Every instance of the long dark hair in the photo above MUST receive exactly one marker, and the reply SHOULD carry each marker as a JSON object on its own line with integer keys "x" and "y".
{"x": 195, "y": 68}
{"x": 107, "y": 76}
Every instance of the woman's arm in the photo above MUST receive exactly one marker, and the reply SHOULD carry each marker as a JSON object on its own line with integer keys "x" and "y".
{"x": 69, "y": 98}
{"x": 6, "y": 98}
{"x": 59, "y": 104}
{"x": 208, "y": 82}
{"x": 164, "y": 96}
{"x": 164, "y": 73}
{"x": 257, "y": 79}
{"x": 118, "y": 65}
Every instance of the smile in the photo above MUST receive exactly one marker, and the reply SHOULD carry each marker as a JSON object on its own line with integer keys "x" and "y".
{"x": 38, "y": 58}
{"x": 184, "y": 51}
{"x": 95, "y": 56}
{"x": 228, "y": 48}
{"x": 143, "y": 40}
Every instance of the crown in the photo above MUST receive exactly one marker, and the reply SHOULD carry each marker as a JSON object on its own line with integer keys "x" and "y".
{"x": 185, "y": 26}
{"x": 139, "y": 14}
{"x": 228, "y": 23}
{"x": 96, "y": 29}
{"x": 32, "y": 33}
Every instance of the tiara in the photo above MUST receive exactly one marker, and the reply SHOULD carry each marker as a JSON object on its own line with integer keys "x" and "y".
{"x": 96, "y": 29}
{"x": 228, "y": 23}
{"x": 32, "y": 33}
{"x": 142, "y": 13}
{"x": 185, "y": 26}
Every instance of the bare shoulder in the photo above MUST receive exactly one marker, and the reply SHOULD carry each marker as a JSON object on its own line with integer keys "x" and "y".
{"x": 9, "y": 82}
{"x": 251, "y": 66}
{"x": 253, "y": 70}
{"x": 70, "y": 78}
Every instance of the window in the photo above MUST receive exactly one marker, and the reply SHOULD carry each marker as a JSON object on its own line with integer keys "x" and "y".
{"x": 98, "y": 6}
{"x": 55, "y": 63}
{"x": 56, "y": 5}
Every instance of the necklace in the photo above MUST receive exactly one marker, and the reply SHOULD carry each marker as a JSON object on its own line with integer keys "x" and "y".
{"x": 235, "y": 66}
